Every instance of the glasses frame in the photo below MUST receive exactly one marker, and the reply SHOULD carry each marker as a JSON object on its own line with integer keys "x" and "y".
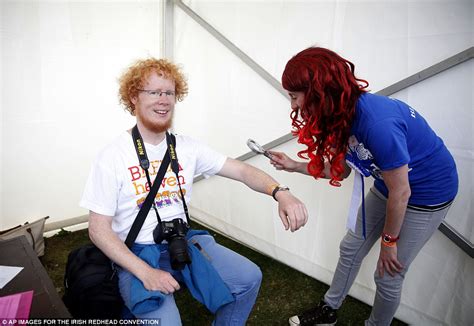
{"x": 158, "y": 92}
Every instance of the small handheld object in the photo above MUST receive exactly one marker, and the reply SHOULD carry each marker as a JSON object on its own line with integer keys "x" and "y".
{"x": 257, "y": 148}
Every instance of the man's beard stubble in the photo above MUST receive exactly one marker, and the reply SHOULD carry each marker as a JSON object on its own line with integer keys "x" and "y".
{"x": 156, "y": 127}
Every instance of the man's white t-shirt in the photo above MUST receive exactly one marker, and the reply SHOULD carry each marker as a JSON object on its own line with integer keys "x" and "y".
{"x": 117, "y": 185}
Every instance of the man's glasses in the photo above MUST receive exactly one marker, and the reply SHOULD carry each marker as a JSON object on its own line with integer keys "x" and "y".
{"x": 157, "y": 93}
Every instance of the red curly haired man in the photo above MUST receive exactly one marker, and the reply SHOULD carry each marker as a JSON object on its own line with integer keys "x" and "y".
{"x": 117, "y": 186}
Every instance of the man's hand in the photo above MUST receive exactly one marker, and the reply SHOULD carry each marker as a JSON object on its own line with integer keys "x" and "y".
{"x": 158, "y": 280}
{"x": 292, "y": 211}
{"x": 388, "y": 261}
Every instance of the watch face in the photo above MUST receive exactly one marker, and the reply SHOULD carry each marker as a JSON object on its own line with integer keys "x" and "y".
{"x": 389, "y": 239}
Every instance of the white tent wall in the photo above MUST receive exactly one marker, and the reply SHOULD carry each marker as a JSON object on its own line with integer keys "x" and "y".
{"x": 439, "y": 286}
{"x": 229, "y": 103}
{"x": 59, "y": 68}
{"x": 60, "y": 64}
{"x": 446, "y": 101}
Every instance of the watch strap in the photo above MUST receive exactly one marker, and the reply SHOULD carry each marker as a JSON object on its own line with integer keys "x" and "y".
{"x": 277, "y": 189}
{"x": 387, "y": 238}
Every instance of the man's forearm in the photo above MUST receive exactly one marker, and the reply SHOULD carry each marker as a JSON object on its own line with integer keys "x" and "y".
{"x": 113, "y": 247}
{"x": 258, "y": 180}
{"x": 252, "y": 177}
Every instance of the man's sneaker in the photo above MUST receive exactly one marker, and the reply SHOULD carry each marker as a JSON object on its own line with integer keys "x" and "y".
{"x": 319, "y": 316}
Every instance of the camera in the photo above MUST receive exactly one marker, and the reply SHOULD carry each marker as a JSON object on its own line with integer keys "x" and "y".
{"x": 175, "y": 233}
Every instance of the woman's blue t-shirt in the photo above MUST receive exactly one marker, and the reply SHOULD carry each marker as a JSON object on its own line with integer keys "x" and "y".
{"x": 386, "y": 134}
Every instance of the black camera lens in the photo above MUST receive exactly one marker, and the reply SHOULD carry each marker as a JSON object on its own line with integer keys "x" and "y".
{"x": 179, "y": 255}
{"x": 174, "y": 232}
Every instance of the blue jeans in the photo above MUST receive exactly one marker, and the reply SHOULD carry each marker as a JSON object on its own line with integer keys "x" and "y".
{"x": 416, "y": 230}
{"x": 241, "y": 276}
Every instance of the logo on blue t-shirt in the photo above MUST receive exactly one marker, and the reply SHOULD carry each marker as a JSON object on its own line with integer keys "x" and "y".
{"x": 360, "y": 159}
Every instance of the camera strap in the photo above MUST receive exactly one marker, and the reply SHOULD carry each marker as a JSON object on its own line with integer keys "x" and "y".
{"x": 150, "y": 198}
{"x": 171, "y": 141}
{"x": 169, "y": 157}
{"x": 145, "y": 164}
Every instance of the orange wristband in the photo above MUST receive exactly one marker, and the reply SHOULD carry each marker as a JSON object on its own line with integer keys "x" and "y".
{"x": 271, "y": 188}
{"x": 389, "y": 244}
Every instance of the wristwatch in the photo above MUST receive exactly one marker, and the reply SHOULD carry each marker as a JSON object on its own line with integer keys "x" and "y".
{"x": 279, "y": 188}
{"x": 387, "y": 238}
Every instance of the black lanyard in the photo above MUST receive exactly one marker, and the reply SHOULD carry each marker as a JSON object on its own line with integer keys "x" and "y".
{"x": 171, "y": 142}
{"x": 145, "y": 165}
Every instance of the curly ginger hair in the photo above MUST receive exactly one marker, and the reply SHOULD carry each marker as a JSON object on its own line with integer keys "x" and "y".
{"x": 324, "y": 121}
{"x": 135, "y": 76}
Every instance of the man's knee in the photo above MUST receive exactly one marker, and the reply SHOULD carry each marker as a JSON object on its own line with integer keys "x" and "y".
{"x": 252, "y": 275}
{"x": 258, "y": 275}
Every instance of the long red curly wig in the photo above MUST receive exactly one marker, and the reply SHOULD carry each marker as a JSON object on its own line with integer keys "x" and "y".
{"x": 323, "y": 122}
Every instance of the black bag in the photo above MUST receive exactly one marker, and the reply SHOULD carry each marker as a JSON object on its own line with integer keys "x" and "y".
{"x": 91, "y": 285}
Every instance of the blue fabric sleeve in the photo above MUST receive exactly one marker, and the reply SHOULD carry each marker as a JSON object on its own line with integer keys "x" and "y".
{"x": 204, "y": 282}
{"x": 200, "y": 277}
{"x": 387, "y": 141}
{"x": 141, "y": 299}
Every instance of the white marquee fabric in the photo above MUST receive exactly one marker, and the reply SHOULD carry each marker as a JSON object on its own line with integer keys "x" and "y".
{"x": 61, "y": 60}
{"x": 59, "y": 68}
{"x": 229, "y": 103}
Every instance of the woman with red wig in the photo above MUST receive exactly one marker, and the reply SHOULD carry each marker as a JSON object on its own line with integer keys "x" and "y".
{"x": 346, "y": 128}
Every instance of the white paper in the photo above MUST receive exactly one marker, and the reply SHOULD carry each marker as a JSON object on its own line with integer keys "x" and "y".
{"x": 355, "y": 201}
{"x": 7, "y": 273}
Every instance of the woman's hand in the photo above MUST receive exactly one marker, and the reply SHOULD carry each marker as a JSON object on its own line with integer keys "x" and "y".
{"x": 281, "y": 161}
{"x": 388, "y": 261}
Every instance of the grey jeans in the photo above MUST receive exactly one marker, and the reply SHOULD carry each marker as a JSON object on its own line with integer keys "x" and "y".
{"x": 417, "y": 228}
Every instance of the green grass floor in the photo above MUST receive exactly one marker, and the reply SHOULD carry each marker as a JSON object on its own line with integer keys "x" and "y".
{"x": 284, "y": 291}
